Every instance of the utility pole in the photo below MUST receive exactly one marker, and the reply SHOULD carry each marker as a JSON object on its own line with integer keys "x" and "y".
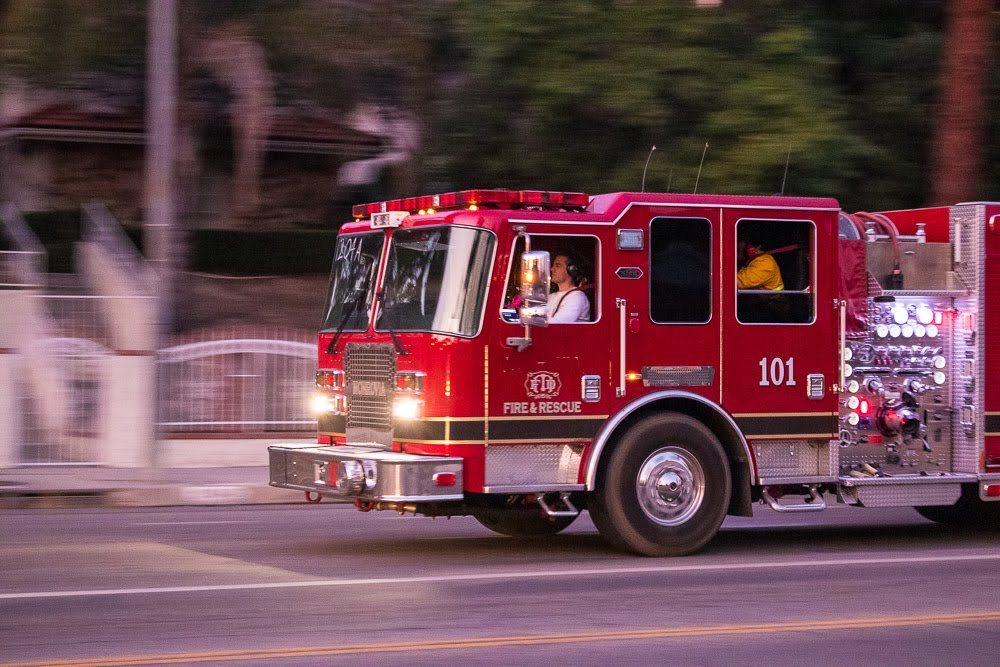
{"x": 160, "y": 217}
{"x": 160, "y": 195}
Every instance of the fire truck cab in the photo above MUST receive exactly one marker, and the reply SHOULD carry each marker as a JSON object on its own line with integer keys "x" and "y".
{"x": 659, "y": 360}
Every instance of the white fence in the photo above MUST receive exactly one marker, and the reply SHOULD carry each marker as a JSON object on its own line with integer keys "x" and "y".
{"x": 82, "y": 381}
{"x": 237, "y": 386}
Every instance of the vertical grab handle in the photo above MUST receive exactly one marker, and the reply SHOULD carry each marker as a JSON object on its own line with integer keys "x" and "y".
{"x": 622, "y": 329}
{"x": 841, "y": 343}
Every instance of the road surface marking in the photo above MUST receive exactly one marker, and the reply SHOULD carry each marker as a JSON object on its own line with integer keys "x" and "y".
{"x": 589, "y": 636}
{"x": 187, "y": 523}
{"x": 511, "y": 576}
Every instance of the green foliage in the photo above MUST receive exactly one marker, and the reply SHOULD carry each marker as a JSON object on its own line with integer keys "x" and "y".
{"x": 564, "y": 94}
{"x": 49, "y": 41}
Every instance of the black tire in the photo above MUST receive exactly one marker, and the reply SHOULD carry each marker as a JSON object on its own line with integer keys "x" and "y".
{"x": 522, "y": 522}
{"x": 664, "y": 489}
{"x": 968, "y": 512}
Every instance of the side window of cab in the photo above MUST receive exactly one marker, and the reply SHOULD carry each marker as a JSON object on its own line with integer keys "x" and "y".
{"x": 573, "y": 262}
{"x": 774, "y": 276}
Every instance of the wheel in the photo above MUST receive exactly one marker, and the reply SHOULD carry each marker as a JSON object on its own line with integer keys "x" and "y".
{"x": 665, "y": 488}
{"x": 968, "y": 512}
{"x": 522, "y": 522}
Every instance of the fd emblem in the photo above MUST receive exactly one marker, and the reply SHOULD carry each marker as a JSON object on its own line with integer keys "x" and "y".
{"x": 542, "y": 384}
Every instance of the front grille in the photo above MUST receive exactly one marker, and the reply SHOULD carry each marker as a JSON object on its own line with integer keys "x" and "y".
{"x": 370, "y": 374}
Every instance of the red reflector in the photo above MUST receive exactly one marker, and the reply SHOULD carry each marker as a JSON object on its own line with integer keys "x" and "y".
{"x": 875, "y": 439}
{"x": 993, "y": 490}
{"x": 444, "y": 478}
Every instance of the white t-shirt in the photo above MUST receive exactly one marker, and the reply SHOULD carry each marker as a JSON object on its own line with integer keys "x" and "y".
{"x": 570, "y": 306}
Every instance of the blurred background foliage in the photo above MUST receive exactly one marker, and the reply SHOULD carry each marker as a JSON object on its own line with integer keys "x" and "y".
{"x": 563, "y": 94}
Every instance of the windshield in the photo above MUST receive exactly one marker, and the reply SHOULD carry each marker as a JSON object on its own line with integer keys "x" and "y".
{"x": 435, "y": 280}
{"x": 352, "y": 281}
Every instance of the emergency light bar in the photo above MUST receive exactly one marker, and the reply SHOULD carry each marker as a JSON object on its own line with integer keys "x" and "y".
{"x": 472, "y": 199}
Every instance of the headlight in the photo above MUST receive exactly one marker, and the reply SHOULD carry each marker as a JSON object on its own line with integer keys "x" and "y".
{"x": 405, "y": 407}
{"x": 329, "y": 403}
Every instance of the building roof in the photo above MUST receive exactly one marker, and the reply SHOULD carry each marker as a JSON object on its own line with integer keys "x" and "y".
{"x": 292, "y": 131}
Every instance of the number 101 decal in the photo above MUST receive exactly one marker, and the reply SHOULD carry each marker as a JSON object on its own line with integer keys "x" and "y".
{"x": 777, "y": 372}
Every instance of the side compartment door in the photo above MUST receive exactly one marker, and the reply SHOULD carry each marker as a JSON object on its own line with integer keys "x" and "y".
{"x": 780, "y": 346}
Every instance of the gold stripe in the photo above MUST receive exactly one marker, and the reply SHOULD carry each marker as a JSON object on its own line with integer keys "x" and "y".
{"x": 486, "y": 393}
{"x": 787, "y": 436}
{"x": 494, "y": 441}
{"x": 586, "y": 636}
{"x": 784, "y": 414}
{"x": 540, "y": 440}
{"x": 411, "y": 441}
{"x": 722, "y": 307}
{"x": 549, "y": 418}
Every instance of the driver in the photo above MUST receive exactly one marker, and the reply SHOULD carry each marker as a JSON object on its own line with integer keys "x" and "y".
{"x": 568, "y": 303}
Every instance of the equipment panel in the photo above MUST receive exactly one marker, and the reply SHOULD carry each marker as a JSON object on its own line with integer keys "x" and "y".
{"x": 896, "y": 409}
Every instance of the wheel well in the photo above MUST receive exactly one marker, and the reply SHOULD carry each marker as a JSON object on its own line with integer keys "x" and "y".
{"x": 741, "y": 500}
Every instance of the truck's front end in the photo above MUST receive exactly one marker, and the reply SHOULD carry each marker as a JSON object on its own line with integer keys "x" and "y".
{"x": 401, "y": 381}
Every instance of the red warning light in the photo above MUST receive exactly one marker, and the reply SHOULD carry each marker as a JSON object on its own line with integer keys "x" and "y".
{"x": 863, "y": 408}
{"x": 938, "y": 317}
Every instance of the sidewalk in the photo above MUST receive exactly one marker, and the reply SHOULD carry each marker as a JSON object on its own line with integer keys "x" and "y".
{"x": 223, "y": 473}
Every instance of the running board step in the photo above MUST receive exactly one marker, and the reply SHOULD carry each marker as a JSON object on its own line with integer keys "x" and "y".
{"x": 814, "y": 503}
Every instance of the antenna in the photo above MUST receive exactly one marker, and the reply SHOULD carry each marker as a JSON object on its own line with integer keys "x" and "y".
{"x": 648, "y": 158}
{"x": 699, "y": 167}
{"x": 785, "y": 177}
{"x": 670, "y": 179}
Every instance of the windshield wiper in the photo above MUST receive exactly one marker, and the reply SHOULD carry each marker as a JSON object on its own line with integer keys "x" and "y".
{"x": 396, "y": 343}
{"x": 351, "y": 309}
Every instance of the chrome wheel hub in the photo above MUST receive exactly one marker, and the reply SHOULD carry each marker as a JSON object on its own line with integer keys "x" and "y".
{"x": 670, "y": 486}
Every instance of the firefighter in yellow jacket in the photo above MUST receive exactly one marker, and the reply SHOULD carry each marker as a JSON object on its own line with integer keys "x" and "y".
{"x": 758, "y": 268}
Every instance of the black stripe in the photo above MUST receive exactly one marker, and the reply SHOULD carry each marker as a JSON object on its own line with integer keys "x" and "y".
{"x": 535, "y": 429}
{"x": 418, "y": 430}
{"x": 992, "y": 423}
{"x": 779, "y": 425}
{"x": 468, "y": 430}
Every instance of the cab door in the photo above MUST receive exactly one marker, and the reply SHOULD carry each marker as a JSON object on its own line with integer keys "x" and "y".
{"x": 668, "y": 325}
{"x": 780, "y": 352}
{"x": 547, "y": 400}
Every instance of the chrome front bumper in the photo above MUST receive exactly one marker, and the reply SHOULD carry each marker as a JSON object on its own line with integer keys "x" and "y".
{"x": 365, "y": 473}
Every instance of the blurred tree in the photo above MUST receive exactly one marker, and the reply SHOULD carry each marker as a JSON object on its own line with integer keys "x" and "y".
{"x": 563, "y": 94}
{"x": 958, "y": 141}
{"x": 571, "y": 95}
{"x": 51, "y": 41}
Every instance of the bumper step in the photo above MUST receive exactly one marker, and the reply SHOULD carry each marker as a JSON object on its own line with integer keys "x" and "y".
{"x": 365, "y": 473}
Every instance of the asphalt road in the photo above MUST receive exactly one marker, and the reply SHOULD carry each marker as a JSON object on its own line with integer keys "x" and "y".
{"x": 305, "y": 585}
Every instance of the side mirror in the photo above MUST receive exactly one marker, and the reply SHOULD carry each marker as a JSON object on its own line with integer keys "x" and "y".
{"x": 535, "y": 279}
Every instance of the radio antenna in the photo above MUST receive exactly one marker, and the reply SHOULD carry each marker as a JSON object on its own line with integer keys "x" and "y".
{"x": 705, "y": 150}
{"x": 648, "y": 158}
{"x": 785, "y": 177}
{"x": 670, "y": 179}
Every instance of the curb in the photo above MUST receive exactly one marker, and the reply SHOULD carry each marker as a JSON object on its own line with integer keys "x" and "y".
{"x": 159, "y": 496}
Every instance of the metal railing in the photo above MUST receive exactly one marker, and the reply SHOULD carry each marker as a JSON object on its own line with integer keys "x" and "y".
{"x": 63, "y": 405}
{"x": 240, "y": 386}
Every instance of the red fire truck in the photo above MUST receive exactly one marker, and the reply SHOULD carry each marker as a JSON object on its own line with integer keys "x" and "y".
{"x": 449, "y": 384}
